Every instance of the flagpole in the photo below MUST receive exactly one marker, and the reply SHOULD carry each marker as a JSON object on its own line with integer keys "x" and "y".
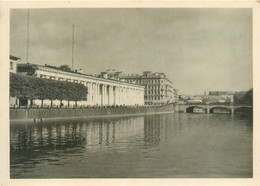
{"x": 72, "y": 48}
{"x": 28, "y": 15}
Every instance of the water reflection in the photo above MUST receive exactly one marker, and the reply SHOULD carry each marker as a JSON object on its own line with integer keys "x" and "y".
{"x": 154, "y": 129}
{"x": 169, "y": 145}
{"x": 77, "y": 134}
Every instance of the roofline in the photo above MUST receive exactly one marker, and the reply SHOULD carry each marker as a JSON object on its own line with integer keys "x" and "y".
{"x": 141, "y": 77}
{"x": 80, "y": 74}
{"x": 14, "y": 57}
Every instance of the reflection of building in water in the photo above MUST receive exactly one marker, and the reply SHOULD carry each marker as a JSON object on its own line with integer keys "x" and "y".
{"x": 67, "y": 135}
{"x": 154, "y": 128}
{"x": 52, "y": 136}
{"x": 106, "y": 132}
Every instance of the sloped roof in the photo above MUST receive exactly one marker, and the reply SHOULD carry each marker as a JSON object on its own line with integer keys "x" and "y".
{"x": 14, "y": 57}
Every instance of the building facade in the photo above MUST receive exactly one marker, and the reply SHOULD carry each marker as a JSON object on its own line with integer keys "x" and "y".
{"x": 158, "y": 88}
{"x": 176, "y": 94}
{"x": 13, "y": 63}
{"x": 221, "y": 93}
{"x": 207, "y": 99}
{"x": 101, "y": 91}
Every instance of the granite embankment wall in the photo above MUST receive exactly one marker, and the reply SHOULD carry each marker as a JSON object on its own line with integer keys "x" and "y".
{"x": 34, "y": 114}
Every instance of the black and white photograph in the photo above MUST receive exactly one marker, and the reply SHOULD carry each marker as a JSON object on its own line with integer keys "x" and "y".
{"x": 130, "y": 93}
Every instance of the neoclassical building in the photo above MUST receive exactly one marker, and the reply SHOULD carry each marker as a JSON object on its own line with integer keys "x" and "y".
{"x": 158, "y": 88}
{"x": 101, "y": 91}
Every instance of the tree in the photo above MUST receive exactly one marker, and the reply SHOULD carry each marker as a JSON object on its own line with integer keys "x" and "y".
{"x": 81, "y": 93}
{"x": 61, "y": 92}
{"x": 244, "y": 97}
{"x": 65, "y": 68}
{"x": 16, "y": 85}
{"x": 248, "y": 97}
{"x": 22, "y": 87}
{"x": 31, "y": 88}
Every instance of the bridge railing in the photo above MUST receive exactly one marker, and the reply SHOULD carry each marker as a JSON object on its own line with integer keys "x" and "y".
{"x": 220, "y": 104}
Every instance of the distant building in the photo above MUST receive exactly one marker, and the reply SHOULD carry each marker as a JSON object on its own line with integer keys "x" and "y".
{"x": 221, "y": 93}
{"x": 176, "y": 94}
{"x": 13, "y": 63}
{"x": 158, "y": 88}
{"x": 207, "y": 99}
{"x": 221, "y": 96}
{"x": 101, "y": 91}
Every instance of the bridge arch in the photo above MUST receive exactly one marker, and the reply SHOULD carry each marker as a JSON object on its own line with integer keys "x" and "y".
{"x": 220, "y": 109}
{"x": 243, "y": 109}
{"x": 190, "y": 109}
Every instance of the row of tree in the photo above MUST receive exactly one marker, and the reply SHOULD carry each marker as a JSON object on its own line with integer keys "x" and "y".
{"x": 31, "y": 88}
{"x": 244, "y": 97}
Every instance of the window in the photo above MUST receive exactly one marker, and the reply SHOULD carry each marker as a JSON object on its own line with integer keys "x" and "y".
{"x": 11, "y": 65}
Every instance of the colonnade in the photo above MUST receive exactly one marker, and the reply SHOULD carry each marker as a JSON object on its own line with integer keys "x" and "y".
{"x": 100, "y": 91}
{"x": 107, "y": 94}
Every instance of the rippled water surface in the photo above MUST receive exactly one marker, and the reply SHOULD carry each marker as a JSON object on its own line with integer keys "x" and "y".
{"x": 167, "y": 145}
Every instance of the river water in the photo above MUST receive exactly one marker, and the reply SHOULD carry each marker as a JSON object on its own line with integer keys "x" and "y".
{"x": 155, "y": 146}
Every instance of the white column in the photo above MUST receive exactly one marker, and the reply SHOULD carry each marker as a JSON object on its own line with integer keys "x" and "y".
{"x": 122, "y": 96}
{"x": 95, "y": 94}
{"x": 114, "y": 98}
{"x": 102, "y": 94}
{"x": 90, "y": 93}
{"x": 119, "y": 95}
{"x": 94, "y": 86}
{"x": 110, "y": 94}
{"x": 98, "y": 94}
{"x": 126, "y": 96}
{"x": 105, "y": 95}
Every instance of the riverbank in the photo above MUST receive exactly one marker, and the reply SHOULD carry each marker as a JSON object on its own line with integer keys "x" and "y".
{"x": 44, "y": 114}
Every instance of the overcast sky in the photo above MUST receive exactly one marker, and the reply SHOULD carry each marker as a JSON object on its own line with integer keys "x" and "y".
{"x": 198, "y": 49}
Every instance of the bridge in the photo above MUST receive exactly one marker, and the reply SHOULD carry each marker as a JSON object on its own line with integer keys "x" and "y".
{"x": 209, "y": 108}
